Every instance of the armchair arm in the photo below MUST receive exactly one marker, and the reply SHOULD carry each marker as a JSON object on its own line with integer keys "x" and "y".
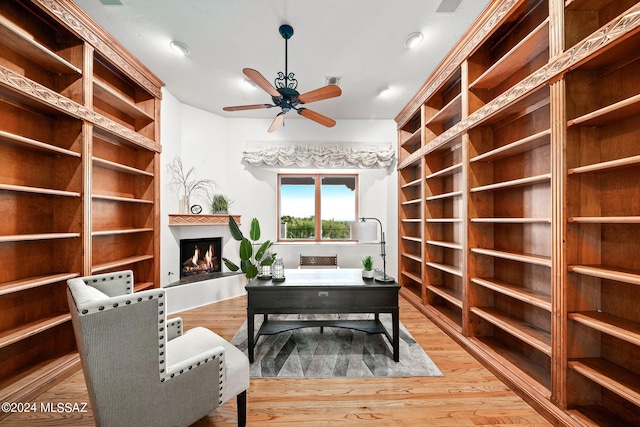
{"x": 174, "y": 328}
{"x": 194, "y": 347}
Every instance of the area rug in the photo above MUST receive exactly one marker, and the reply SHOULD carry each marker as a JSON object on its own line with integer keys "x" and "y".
{"x": 338, "y": 352}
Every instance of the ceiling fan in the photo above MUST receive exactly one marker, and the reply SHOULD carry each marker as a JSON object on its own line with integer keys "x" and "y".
{"x": 284, "y": 94}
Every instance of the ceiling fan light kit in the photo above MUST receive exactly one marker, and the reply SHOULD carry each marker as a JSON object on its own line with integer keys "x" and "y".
{"x": 284, "y": 94}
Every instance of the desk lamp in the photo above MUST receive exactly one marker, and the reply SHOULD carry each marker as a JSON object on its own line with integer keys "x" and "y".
{"x": 366, "y": 231}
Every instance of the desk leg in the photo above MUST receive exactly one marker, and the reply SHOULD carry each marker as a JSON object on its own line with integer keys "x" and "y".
{"x": 395, "y": 319}
{"x": 250, "y": 335}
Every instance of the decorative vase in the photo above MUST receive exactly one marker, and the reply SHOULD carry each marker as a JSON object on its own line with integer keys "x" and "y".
{"x": 184, "y": 204}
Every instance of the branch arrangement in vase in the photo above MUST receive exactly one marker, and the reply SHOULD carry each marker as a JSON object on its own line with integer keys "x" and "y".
{"x": 187, "y": 183}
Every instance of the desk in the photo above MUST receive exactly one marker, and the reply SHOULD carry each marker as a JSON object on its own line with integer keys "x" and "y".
{"x": 321, "y": 291}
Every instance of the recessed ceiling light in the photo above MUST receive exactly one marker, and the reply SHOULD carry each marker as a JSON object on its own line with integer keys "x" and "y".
{"x": 249, "y": 83}
{"x": 414, "y": 39}
{"x": 383, "y": 91}
{"x": 180, "y": 48}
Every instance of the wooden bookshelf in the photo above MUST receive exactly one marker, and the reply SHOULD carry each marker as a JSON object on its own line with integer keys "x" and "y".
{"x": 530, "y": 169}
{"x": 80, "y": 133}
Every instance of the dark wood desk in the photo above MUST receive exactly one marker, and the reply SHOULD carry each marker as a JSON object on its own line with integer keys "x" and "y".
{"x": 322, "y": 291}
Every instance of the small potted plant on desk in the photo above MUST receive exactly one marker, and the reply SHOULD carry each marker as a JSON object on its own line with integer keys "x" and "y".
{"x": 367, "y": 267}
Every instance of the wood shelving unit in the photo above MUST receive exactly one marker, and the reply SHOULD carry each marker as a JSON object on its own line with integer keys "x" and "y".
{"x": 530, "y": 169}
{"x": 444, "y": 220}
{"x": 80, "y": 143}
{"x": 602, "y": 176}
{"x": 410, "y": 203}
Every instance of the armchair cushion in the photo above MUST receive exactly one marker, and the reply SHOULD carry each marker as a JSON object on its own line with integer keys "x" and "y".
{"x": 237, "y": 370}
{"x": 235, "y": 375}
{"x": 192, "y": 347}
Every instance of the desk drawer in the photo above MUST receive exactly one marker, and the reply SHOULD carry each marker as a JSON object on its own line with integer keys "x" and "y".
{"x": 330, "y": 299}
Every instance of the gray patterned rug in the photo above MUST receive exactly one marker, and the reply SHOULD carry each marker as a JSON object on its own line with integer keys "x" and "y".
{"x": 337, "y": 352}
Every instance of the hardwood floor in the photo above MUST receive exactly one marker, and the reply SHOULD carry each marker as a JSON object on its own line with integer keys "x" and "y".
{"x": 467, "y": 395}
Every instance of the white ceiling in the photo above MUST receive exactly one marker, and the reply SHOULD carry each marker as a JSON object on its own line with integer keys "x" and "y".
{"x": 362, "y": 41}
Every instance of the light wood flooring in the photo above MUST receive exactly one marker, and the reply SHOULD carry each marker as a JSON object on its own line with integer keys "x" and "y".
{"x": 467, "y": 395}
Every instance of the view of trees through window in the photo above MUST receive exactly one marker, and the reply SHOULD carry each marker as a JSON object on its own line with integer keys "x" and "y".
{"x": 304, "y": 198}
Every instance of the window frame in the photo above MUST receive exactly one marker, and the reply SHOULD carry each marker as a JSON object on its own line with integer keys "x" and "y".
{"x": 318, "y": 206}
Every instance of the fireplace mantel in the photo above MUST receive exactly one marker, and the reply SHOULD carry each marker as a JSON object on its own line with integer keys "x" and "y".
{"x": 198, "y": 219}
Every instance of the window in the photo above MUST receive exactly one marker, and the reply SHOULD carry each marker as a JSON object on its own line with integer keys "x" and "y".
{"x": 317, "y": 207}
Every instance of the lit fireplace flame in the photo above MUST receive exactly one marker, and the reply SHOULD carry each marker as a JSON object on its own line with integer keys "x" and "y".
{"x": 208, "y": 257}
{"x": 196, "y": 256}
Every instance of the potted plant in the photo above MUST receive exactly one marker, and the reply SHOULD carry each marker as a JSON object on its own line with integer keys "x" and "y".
{"x": 186, "y": 183}
{"x": 250, "y": 259}
{"x": 367, "y": 267}
{"x": 220, "y": 204}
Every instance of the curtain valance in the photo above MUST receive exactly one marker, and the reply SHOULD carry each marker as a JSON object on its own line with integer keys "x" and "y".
{"x": 320, "y": 155}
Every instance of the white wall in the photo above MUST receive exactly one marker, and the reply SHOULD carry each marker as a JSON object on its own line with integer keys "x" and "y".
{"x": 171, "y": 139}
{"x": 214, "y": 145}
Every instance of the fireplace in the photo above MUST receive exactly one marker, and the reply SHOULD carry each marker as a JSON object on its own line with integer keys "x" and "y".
{"x": 200, "y": 256}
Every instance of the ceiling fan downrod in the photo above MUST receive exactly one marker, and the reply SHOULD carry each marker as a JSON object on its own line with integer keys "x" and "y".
{"x": 286, "y": 80}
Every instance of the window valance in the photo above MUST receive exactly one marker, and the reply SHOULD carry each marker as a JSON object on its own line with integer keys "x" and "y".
{"x": 320, "y": 155}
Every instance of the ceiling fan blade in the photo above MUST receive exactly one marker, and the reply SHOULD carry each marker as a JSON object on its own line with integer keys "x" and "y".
{"x": 247, "y": 107}
{"x": 329, "y": 91}
{"x": 276, "y": 122}
{"x": 317, "y": 117}
{"x": 259, "y": 79}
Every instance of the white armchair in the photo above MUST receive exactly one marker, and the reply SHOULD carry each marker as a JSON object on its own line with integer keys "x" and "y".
{"x": 140, "y": 368}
